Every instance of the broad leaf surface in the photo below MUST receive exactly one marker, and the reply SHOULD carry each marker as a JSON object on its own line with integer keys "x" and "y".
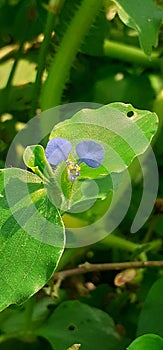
{"x": 76, "y": 323}
{"x": 143, "y": 16}
{"x": 32, "y": 236}
{"x": 122, "y": 138}
{"x": 147, "y": 341}
{"x": 151, "y": 316}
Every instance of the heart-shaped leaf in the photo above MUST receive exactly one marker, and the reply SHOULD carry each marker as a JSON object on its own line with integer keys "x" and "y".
{"x": 32, "y": 236}
{"x": 122, "y": 137}
{"x": 76, "y": 323}
{"x": 124, "y": 132}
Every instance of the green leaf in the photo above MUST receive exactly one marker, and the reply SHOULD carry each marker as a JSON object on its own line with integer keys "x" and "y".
{"x": 123, "y": 138}
{"x": 32, "y": 236}
{"x": 76, "y": 323}
{"x": 110, "y": 126}
{"x": 151, "y": 316}
{"x": 126, "y": 89}
{"x": 147, "y": 341}
{"x": 143, "y": 16}
{"x": 35, "y": 159}
{"x": 13, "y": 319}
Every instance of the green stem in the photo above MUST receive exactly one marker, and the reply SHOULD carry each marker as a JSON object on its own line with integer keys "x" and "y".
{"x": 29, "y": 312}
{"x": 113, "y": 241}
{"x": 117, "y": 242}
{"x": 58, "y": 73}
{"x": 130, "y": 54}
{"x": 42, "y": 55}
{"x": 154, "y": 245}
{"x": 13, "y": 69}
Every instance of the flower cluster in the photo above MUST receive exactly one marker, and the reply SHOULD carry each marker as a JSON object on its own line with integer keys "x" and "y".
{"x": 89, "y": 152}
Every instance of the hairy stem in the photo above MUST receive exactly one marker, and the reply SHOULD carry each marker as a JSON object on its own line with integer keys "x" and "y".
{"x": 53, "y": 8}
{"x": 58, "y": 73}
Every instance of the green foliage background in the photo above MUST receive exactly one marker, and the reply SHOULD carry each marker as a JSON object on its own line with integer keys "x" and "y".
{"x": 62, "y": 51}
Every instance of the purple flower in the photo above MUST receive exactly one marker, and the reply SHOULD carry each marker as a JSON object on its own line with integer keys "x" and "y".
{"x": 57, "y": 150}
{"x": 90, "y": 152}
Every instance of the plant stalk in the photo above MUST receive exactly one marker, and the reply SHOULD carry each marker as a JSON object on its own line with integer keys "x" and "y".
{"x": 131, "y": 54}
{"x": 87, "y": 267}
{"x": 53, "y": 4}
{"x": 59, "y": 70}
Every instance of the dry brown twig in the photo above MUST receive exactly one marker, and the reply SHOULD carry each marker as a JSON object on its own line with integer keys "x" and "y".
{"x": 87, "y": 267}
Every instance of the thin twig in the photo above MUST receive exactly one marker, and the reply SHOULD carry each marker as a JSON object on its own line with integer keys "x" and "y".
{"x": 87, "y": 267}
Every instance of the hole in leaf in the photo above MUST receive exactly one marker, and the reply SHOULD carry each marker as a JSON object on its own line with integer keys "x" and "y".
{"x": 71, "y": 327}
{"x": 130, "y": 114}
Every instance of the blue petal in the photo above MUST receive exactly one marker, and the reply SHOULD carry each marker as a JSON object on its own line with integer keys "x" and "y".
{"x": 90, "y": 152}
{"x": 57, "y": 150}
